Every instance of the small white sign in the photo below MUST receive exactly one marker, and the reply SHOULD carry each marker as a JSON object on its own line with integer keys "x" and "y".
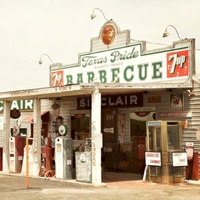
{"x": 153, "y": 158}
{"x": 108, "y": 130}
{"x": 179, "y": 159}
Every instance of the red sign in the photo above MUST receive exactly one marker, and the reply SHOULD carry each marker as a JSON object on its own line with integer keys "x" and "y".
{"x": 108, "y": 34}
{"x": 57, "y": 78}
{"x": 177, "y": 64}
{"x": 173, "y": 114}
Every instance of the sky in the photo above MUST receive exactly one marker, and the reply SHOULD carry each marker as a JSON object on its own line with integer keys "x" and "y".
{"x": 62, "y": 29}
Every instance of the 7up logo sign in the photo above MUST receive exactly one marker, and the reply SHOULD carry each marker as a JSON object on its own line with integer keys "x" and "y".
{"x": 177, "y": 64}
{"x": 57, "y": 78}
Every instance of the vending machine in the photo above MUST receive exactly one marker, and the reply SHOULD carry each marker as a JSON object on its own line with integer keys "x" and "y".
{"x": 16, "y": 153}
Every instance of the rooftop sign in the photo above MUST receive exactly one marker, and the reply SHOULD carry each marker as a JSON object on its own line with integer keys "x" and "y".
{"x": 126, "y": 65}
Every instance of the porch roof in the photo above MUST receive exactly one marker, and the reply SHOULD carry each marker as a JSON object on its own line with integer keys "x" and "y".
{"x": 87, "y": 89}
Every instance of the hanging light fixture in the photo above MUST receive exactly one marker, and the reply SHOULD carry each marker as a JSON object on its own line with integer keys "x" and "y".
{"x": 93, "y": 15}
{"x": 41, "y": 61}
{"x": 166, "y": 33}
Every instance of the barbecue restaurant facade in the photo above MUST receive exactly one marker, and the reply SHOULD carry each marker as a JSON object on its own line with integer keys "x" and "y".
{"x": 109, "y": 95}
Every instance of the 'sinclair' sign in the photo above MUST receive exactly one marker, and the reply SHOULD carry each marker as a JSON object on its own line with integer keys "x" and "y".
{"x": 125, "y": 65}
{"x": 19, "y": 105}
{"x": 133, "y": 100}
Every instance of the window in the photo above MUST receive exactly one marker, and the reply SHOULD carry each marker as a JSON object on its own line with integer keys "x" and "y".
{"x": 173, "y": 136}
{"x": 80, "y": 126}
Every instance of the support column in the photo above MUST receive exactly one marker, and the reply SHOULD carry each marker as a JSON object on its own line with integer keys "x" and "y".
{"x": 96, "y": 137}
{"x": 6, "y": 135}
{"x": 37, "y": 136}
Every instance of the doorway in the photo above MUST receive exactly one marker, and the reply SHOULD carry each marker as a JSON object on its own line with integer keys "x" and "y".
{"x": 109, "y": 129}
{"x": 138, "y": 134}
{"x": 110, "y": 150}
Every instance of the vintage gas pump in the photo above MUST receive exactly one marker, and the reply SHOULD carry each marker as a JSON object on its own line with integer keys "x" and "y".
{"x": 49, "y": 155}
{"x": 16, "y": 152}
{"x": 47, "y": 158}
{"x": 164, "y": 154}
{"x": 63, "y": 154}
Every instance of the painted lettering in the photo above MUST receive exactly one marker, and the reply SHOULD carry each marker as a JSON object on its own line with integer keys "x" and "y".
{"x": 56, "y": 78}
{"x": 90, "y": 77}
{"x": 102, "y": 75}
{"x": 14, "y": 105}
{"x": 129, "y": 72}
{"x": 115, "y": 74}
{"x": 103, "y": 101}
{"x": 133, "y": 99}
{"x": 82, "y": 103}
{"x": 123, "y": 100}
{"x": 176, "y": 60}
{"x": 19, "y": 105}
{"x": 110, "y": 103}
{"x": 142, "y": 71}
{"x": 117, "y": 56}
{"x": 157, "y": 70}
{"x": 79, "y": 78}
{"x": 119, "y": 101}
{"x": 92, "y": 60}
{"x": 69, "y": 79}
{"x": 28, "y": 104}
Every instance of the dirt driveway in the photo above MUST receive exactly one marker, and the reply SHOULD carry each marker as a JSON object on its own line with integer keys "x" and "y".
{"x": 14, "y": 188}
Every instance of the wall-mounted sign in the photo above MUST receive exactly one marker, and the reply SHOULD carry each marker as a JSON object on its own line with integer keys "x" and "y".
{"x": 127, "y": 64}
{"x": 63, "y": 130}
{"x": 15, "y": 114}
{"x": 153, "y": 158}
{"x": 153, "y": 123}
{"x": 19, "y": 105}
{"x": 153, "y": 99}
{"x": 108, "y": 33}
{"x": 108, "y": 130}
{"x": 170, "y": 115}
{"x": 55, "y": 106}
{"x": 176, "y": 101}
{"x": 128, "y": 100}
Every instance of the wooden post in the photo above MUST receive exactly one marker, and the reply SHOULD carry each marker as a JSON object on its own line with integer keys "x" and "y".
{"x": 6, "y": 135}
{"x": 27, "y": 164}
{"x": 96, "y": 136}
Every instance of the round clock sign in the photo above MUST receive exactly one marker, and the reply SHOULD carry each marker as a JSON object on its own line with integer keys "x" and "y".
{"x": 63, "y": 130}
{"x": 108, "y": 34}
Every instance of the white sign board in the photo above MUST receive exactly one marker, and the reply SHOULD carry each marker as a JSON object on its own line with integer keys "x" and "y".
{"x": 126, "y": 64}
{"x": 153, "y": 158}
{"x": 179, "y": 159}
